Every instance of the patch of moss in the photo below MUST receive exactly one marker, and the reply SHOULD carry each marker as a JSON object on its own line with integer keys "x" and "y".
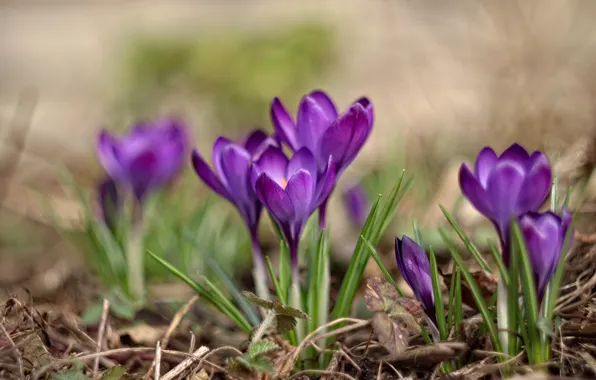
{"x": 238, "y": 72}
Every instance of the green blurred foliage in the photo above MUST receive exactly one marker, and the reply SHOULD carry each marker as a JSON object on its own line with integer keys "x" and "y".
{"x": 238, "y": 73}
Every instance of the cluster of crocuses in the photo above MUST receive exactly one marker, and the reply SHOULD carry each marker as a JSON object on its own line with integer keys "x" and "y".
{"x": 511, "y": 186}
{"x": 254, "y": 172}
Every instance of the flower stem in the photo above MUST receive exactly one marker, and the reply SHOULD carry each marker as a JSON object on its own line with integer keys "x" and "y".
{"x": 259, "y": 271}
{"x": 323, "y": 215}
{"x": 134, "y": 257}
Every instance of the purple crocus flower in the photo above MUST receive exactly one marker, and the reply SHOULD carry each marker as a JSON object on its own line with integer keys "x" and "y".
{"x": 149, "y": 157}
{"x": 506, "y": 186}
{"x": 291, "y": 190}
{"x": 231, "y": 178}
{"x": 415, "y": 268}
{"x": 325, "y": 132}
{"x": 544, "y": 235}
{"x": 357, "y": 204}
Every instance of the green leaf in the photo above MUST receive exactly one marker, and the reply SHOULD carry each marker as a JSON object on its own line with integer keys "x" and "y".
{"x": 467, "y": 242}
{"x": 498, "y": 258}
{"x": 478, "y": 298}
{"x": 285, "y": 270}
{"x": 355, "y": 269}
{"x": 74, "y": 373}
{"x": 114, "y": 373}
{"x": 262, "y": 364}
{"x": 512, "y": 302}
{"x": 231, "y": 285}
{"x": 277, "y": 306}
{"x": 215, "y": 298}
{"x": 275, "y": 281}
{"x": 261, "y": 347}
{"x": 439, "y": 305}
{"x": 520, "y": 252}
{"x": 92, "y": 314}
{"x": 377, "y": 258}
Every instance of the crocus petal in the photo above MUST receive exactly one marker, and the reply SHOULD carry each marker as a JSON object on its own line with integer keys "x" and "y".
{"x": 516, "y": 153}
{"x": 220, "y": 143}
{"x": 273, "y": 162}
{"x": 485, "y": 163}
{"x": 207, "y": 175}
{"x": 325, "y": 103}
{"x": 235, "y": 165}
{"x": 142, "y": 172}
{"x": 109, "y": 157}
{"x": 537, "y": 184}
{"x": 300, "y": 190}
{"x": 313, "y": 120}
{"x": 368, "y": 106}
{"x": 474, "y": 191}
{"x": 284, "y": 125}
{"x": 254, "y": 140}
{"x": 566, "y": 218}
{"x": 345, "y": 136}
{"x": 361, "y": 132}
{"x": 173, "y": 146}
{"x": 542, "y": 236}
{"x": 415, "y": 267}
{"x": 357, "y": 204}
{"x": 326, "y": 183}
{"x": 503, "y": 188}
{"x": 303, "y": 159}
{"x": 275, "y": 199}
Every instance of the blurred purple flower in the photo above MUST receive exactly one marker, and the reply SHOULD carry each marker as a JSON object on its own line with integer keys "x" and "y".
{"x": 291, "y": 190}
{"x": 415, "y": 268}
{"x": 231, "y": 178}
{"x": 357, "y": 203}
{"x": 322, "y": 130}
{"x": 506, "y": 186}
{"x": 149, "y": 157}
{"x": 544, "y": 235}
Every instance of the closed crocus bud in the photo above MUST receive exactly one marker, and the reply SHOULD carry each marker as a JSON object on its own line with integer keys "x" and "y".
{"x": 109, "y": 202}
{"x": 291, "y": 190}
{"x": 148, "y": 158}
{"x": 507, "y": 186}
{"x": 357, "y": 204}
{"x": 321, "y": 129}
{"x": 544, "y": 235}
{"x": 415, "y": 269}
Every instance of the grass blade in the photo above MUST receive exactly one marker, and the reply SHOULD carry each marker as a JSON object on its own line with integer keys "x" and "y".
{"x": 354, "y": 272}
{"x": 230, "y": 284}
{"x": 216, "y": 299}
{"x": 439, "y": 305}
{"x": 275, "y": 281}
{"x": 486, "y": 314}
{"x": 375, "y": 255}
{"x": 467, "y": 242}
{"x": 529, "y": 293}
{"x": 498, "y": 258}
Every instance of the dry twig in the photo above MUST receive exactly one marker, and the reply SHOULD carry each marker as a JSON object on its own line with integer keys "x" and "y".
{"x": 173, "y": 325}
{"x": 101, "y": 335}
{"x": 17, "y": 353}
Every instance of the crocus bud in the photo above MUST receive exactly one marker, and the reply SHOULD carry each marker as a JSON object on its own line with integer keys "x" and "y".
{"x": 544, "y": 235}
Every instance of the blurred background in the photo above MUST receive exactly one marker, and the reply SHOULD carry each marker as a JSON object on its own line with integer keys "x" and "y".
{"x": 446, "y": 78}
